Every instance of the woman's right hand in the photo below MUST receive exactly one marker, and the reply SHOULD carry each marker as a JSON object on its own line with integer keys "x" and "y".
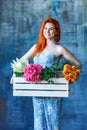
{"x": 12, "y": 79}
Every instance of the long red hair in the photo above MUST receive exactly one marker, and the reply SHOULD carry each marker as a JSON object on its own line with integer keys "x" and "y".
{"x": 41, "y": 44}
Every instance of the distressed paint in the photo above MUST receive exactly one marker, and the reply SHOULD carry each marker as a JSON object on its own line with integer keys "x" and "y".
{"x": 20, "y": 22}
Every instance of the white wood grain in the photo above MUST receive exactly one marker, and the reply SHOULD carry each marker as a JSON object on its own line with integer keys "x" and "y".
{"x": 60, "y": 88}
{"x": 22, "y": 80}
{"x": 42, "y": 94}
{"x": 41, "y": 86}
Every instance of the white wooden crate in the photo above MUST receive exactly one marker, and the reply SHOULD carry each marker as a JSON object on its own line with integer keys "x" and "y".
{"x": 60, "y": 88}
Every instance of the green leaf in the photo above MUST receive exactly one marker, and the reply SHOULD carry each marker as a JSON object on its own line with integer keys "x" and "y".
{"x": 18, "y": 74}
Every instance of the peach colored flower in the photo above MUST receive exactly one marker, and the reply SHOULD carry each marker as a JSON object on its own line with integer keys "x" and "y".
{"x": 73, "y": 68}
{"x": 77, "y": 72}
{"x": 74, "y": 79}
{"x": 65, "y": 72}
{"x": 71, "y": 76}
{"x": 67, "y": 77}
{"x": 67, "y": 67}
{"x": 71, "y": 73}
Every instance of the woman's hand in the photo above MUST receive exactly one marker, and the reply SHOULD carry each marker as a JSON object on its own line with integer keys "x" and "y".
{"x": 12, "y": 79}
{"x": 79, "y": 66}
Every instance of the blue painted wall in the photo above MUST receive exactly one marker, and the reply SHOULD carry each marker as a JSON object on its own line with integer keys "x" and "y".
{"x": 20, "y": 22}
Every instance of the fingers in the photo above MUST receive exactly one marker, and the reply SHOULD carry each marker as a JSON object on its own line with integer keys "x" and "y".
{"x": 11, "y": 81}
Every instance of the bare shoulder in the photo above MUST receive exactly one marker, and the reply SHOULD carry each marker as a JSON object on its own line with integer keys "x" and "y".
{"x": 63, "y": 50}
{"x": 60, "y": 48}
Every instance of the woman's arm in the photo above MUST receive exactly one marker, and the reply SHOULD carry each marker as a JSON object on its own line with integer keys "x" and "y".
{"x": 69, "y": 56}
{"x": 29, "y": 54}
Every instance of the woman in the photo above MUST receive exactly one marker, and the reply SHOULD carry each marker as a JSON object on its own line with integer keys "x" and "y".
{"x": 44, "y": 52}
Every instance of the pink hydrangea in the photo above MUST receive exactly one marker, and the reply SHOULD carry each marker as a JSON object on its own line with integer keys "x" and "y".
{"x": 32, "y": 73}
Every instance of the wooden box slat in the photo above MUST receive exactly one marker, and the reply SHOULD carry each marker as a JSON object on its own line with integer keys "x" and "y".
{"x": 41, "y": 86}
{"x": 41, "y": 94}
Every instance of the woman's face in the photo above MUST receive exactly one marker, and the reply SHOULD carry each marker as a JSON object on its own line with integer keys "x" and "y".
{"x": 49, "y": 31}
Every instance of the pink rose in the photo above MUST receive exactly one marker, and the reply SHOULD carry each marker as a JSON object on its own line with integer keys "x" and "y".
{"x": 32, "y": 73}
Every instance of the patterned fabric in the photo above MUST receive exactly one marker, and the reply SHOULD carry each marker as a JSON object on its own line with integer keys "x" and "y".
{"x": 45, "y": 59}
{"x": 46, "y": 109}
{"x": 46, "y": 113}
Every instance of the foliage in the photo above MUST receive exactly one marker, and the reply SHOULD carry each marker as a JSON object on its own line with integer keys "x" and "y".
{"x": 52, "y": 72}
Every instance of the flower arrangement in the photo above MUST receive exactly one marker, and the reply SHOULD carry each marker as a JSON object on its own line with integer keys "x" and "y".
{"x": 34, "y": 73}
{"x": 71, "y": 73}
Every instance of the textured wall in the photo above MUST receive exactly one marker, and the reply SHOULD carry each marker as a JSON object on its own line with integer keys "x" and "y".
{"x": 20, "y": 21}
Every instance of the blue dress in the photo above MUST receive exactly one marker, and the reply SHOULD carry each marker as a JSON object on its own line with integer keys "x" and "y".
{"x": 46, "y": 109}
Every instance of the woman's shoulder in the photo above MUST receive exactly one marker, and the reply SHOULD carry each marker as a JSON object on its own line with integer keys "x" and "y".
{"x": 59, "y": 47}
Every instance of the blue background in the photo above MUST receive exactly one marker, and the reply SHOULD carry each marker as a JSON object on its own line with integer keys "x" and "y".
{"x": 20, "y": 21}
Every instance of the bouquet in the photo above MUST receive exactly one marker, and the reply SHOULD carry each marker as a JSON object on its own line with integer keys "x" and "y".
{"x": 71, "y": 73}
{"x": 34, "y": 73}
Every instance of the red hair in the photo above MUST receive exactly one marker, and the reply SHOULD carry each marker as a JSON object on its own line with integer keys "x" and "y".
{"x": 41, "y": 44}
